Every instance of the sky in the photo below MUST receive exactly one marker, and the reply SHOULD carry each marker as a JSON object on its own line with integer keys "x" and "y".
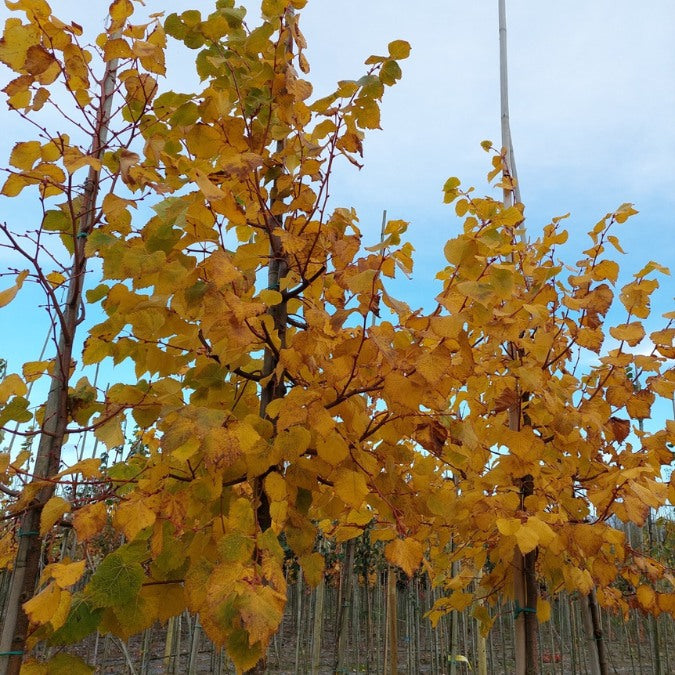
{"x": 592, "y": 94}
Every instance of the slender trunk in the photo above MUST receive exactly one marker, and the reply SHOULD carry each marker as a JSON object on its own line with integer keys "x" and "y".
{"x": 592, "y": 651}
{"x": 275, "y": 387}
{"x": 145, "y": 651}
{"x": 507, "y": 143}
{"x": 653, "y": 623}
{"x": 344, "y": 613}
{"x": 298, "y": 621}
{"x": 417, "y": 617}
{"x": 318, "y": 627}
{"x": 194, "y": 647}
{"x": 532, "y": 591}
{"x": 598, "y": 636}
{"x": 392, "y": 621}
{"x": 481, "y": 645}
{"x": 48, "y": 458}
{"x": 356, "y": 628}
{"x": 525, "y": 583}
{"x": 169, "y": 645}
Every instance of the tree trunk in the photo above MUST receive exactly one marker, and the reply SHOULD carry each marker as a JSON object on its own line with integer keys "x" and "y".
{"x": 525, "y": 582}
{"x": 317, "y": 632}
{"x": 596, "y": 648}
{"x": 392, "y": 621}
{"x": 653, "y": 622}
{"x": 344, "y": 613}
{"x": 48, "y": 459}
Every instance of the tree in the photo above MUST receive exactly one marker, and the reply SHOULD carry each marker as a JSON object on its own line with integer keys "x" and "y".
{"x": 273, "y": 407}
{"x": 47, "y": 56}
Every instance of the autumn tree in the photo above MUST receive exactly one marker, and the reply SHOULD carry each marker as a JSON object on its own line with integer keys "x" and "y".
{"x": 273, "y": 407}
{"x": 68, "y": 169}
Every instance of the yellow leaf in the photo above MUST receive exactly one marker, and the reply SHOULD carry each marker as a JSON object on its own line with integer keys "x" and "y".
{"x": 12, "y": 385}
{"x": 333, "y": 449}
{"x": 624, "y": 212}
{"x": 544, "y": 532}
{"x": 116, "y": 48}
{"x": 24, "y": 155}
{"x": 52, "y": 511}
{"x": 639, "y": 405}
{"x": 8, "y": 294}
{"x": 90, "y": 520}
{"x": 89, "y": 468}
{"x": 62, "y": 611}
{"x": 110, "y": 433}
{"x": 133, "y": 516}
{"x": 605, "y": 269}
{"x": 33, "y": 370}
{"x": 17, "y": 39}
{"x": 527, "y": 538}
{"x": 543, "y": 610}
{"x": 646, "y": 597}
{"x": 347, "y": 532}
{"x": 313, "y": 566}
{"x": 32, "y": 667}
{"x": 508, "y": 526}
{"x": 261, "y": 610}
{"x": 55, "y": 279}
{"x": 244, "y": 652}
{"x": 186, "y": 450}
{"x": 120, "y": 11}
{"x": 275, "y": 487}
{"x": 405, "y": 553}
{"x": 399, "y": 49}
{"x": 635, "y": 296}
{"x": 42, "y": 607}
{"x": 66, "y": 664}
{"x": 666, "y": 602}
{"x": 210, "y": 190}
{"x": 459, "y": 600}
{"x": 66, "y": 574}
{"x": 478, "y": 291}
{"x": 401, "y": 391}
{"x": 270, "y": 297}
{"x": 74, "y": 159}
{"x": 632, "y": 333}
{"x": 351, "y": 487}
{"x": 460, "y": 658}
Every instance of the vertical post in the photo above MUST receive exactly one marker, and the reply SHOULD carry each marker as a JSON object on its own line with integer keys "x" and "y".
{"x": 590, "y": 639}
{"x": 507, "y": 142}
{"x": 344, "y": 611}
{"x": 525, "y": 587}
{"x": 392, "y": 620}
{"x": 318, "y": 627}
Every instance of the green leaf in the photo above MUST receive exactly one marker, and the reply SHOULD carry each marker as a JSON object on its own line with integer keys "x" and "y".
{"x": 83, "y": 620}
{"x": 243, "y": 654}
{"x": 450, "y": 190}
{"x": 175, "y": 27}
{"x": 60, "y": 664}
{"x": 117, "y": 581}
{"x": 390, "y": 73}
{"x": 15, "y": 411}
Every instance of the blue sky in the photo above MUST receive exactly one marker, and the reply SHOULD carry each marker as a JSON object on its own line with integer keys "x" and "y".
{"x": 592, "y": 97}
